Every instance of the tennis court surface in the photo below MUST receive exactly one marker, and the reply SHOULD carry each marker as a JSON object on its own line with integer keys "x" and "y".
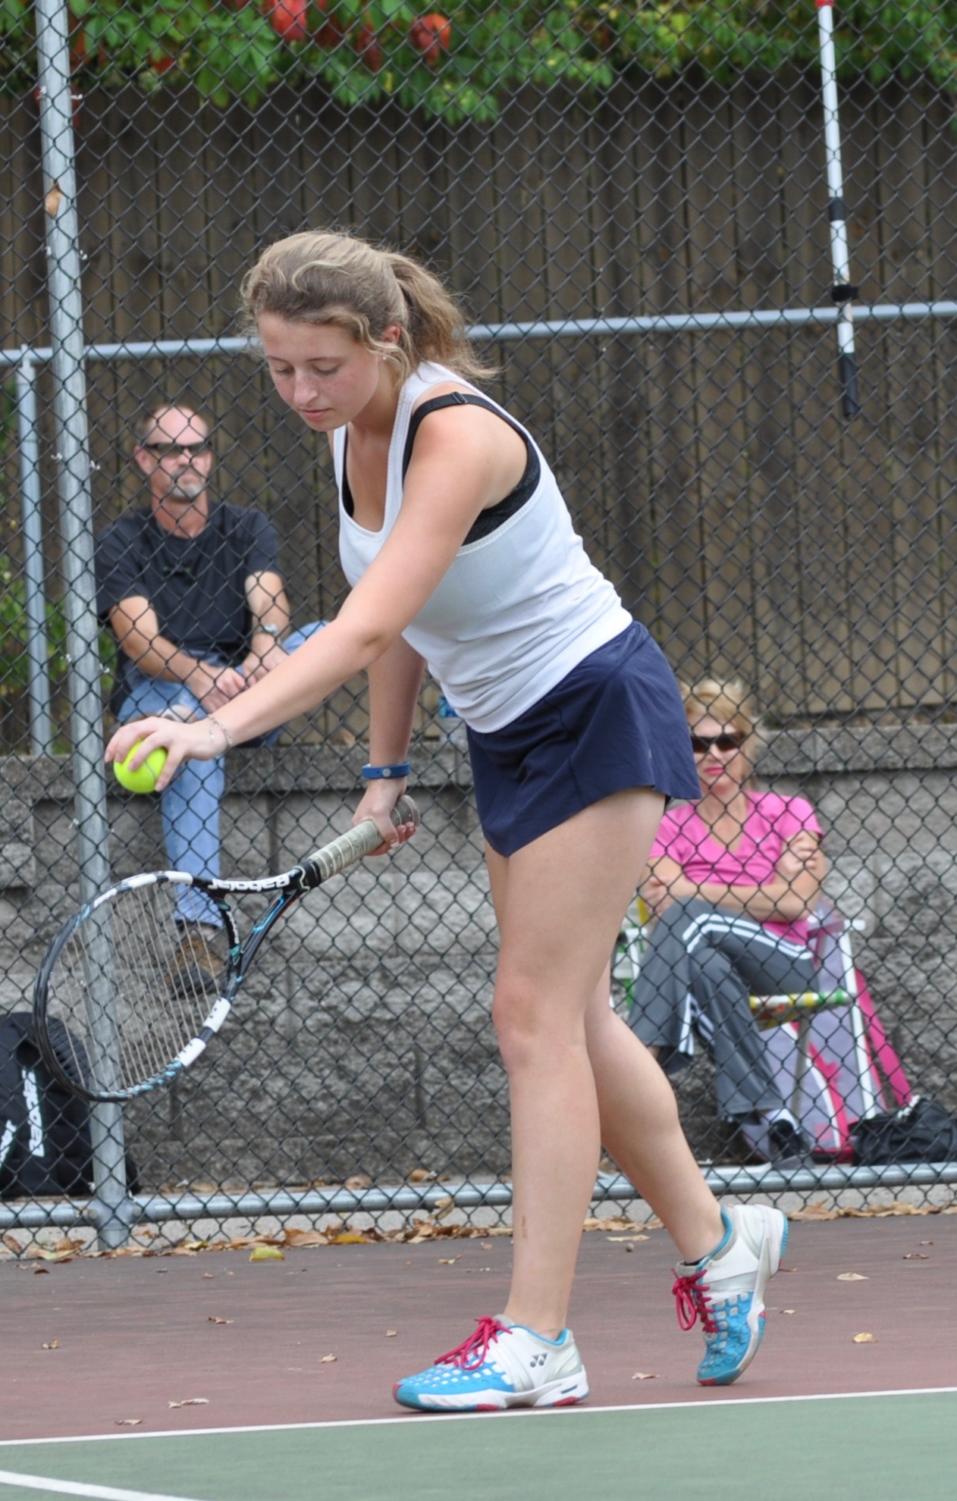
{"x": 214, "y": 1378}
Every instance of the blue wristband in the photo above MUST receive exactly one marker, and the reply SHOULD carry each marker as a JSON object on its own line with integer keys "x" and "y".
{"x": 386, "y": 773}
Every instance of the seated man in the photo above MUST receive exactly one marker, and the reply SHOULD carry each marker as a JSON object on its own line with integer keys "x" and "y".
{"x": 191, "y": 589}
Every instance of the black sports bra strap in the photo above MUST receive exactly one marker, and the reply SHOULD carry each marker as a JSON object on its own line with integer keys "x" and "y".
{"x": 451, "y": 399}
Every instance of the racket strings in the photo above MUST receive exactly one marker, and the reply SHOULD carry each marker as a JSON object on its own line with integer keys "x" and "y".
{"x": 131, "y": 986}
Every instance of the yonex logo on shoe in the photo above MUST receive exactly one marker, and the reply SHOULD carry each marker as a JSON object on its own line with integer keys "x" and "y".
{"x": 538, "y": 1359}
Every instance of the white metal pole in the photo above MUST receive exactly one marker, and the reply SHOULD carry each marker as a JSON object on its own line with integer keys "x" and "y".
{"x": 842, "y": 290}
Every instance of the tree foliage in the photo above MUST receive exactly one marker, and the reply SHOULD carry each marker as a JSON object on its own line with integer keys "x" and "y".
{"x": 463, "y": 60}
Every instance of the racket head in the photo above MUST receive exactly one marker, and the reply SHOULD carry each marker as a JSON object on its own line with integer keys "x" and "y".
{"x": 123, "y": 1001}
{"x": 128, "y": 995}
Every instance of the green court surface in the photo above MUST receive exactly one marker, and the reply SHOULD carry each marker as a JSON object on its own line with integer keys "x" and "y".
{"x": 900, "y": 1445}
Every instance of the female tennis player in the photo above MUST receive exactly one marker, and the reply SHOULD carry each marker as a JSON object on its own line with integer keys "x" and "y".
{"x": 461, "y": 554}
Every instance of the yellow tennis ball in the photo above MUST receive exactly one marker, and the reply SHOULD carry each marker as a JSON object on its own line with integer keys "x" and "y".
{"x": 144, "y": 778}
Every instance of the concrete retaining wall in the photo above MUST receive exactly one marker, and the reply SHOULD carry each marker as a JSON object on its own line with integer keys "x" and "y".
{"x": 362, "y": 1046}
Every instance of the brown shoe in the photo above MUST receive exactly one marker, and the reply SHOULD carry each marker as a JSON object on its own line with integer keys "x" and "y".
{"x": 197, "y": 965}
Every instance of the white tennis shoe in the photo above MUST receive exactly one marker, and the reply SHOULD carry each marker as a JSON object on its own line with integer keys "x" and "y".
{"x": 500, "y": 1365}
{"x": 725, "y": 1290}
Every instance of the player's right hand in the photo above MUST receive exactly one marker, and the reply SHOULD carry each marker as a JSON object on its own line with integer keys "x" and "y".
{"x": 377, "y": 803}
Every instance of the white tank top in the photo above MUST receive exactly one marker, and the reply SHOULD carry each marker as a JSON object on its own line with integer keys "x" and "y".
{"x": 516, "y": 610}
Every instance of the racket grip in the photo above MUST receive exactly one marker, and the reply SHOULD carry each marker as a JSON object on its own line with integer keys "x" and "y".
{"x": 337, "y": 856}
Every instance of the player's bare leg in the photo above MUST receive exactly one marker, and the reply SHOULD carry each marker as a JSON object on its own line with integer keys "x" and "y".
{"x": 560, "y": 901}
{"x": 641, "y": 1130}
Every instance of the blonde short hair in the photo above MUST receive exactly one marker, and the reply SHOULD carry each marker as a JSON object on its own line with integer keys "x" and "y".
{"x": 724, "y": 699}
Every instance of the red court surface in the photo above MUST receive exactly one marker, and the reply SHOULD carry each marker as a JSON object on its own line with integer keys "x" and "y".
{"x": 116, "y": 1345}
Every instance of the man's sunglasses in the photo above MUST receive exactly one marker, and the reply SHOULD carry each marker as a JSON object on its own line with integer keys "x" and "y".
{"x": 173, "y": 450}
{"x": 701, "y": 744}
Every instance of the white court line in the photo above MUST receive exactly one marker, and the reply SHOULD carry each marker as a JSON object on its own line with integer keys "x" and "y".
{"x": 77, "y": 1488}
{"x": 425, "y": 1420}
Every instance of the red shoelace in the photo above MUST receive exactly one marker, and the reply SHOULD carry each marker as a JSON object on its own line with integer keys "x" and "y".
{"x": 471, "y": 1353}
{"x": 692, "y": 1302}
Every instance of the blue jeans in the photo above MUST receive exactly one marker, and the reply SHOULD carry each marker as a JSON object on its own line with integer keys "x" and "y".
{"x": 190, "y": 804}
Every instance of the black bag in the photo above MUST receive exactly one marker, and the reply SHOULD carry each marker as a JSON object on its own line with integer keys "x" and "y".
{"x": 919, "y": 1132}
{"x": 44, "y": 1129}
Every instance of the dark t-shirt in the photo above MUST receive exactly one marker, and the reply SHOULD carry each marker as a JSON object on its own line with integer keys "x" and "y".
{"x": 196, "y": 585}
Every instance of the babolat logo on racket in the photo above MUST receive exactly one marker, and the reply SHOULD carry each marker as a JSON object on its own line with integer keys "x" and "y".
{"x": 143, "y": 986}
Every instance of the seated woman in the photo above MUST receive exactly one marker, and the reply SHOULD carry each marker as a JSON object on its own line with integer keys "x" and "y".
{"x": 732, "y": 880}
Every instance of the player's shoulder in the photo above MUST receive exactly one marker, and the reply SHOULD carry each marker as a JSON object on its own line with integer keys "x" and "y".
{"x": 449, "y": 410}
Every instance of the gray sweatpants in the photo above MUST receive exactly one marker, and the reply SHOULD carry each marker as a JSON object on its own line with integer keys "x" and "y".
{"x": 701, "y": 965}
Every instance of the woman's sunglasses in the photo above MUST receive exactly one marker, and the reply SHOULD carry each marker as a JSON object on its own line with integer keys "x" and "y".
{"x": 701, "y": 744}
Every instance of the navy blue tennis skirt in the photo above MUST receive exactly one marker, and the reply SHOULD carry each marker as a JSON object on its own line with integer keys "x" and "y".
{"x": 616, "y": 721}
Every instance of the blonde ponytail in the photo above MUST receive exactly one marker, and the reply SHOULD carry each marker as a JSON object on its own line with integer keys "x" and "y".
{"x": 326, "y": 278}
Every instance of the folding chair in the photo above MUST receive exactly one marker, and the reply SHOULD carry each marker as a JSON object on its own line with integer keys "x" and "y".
{"x": 828, "y": 1051}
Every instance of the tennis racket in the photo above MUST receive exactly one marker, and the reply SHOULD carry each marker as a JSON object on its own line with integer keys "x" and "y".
{"x": 128, "y": 996}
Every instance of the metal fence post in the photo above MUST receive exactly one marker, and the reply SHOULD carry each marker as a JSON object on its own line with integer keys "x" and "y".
{"x": 41, "y": 723}
{"x": 64, "y": 262}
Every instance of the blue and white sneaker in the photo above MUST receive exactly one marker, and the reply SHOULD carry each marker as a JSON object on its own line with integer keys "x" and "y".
{"x": 725, "y": 1289}
{"x": 500, "y": 1365}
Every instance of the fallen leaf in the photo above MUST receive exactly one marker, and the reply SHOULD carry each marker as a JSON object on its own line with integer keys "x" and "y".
{"x": 391, "y": 1333}
{"x": 420, "y": 1175}
{"x": 789, "y": 1310}
{"x": 12, "y": 1244}
{"x": 865, "y": 1339}
{"x": 215, "y": 1319}
{"x": 53, "y": 1344}
{"x": 327, "y": 1359}
{"x": 266, "y": 1253}
{"x": 645, "y": 1376}
{"x": 915, "y": 1256}
{"x": 190, "y": 1402}
{"x": 447, "y": 1260}
{"x": 357, "y": 1181}
{"x": 305, "y": 1238}
{"x": 53, "y": 200}
{"x": 41, "y": 1271}
{"x": 350, "y": 1238}
{"x": 851, "y": 1277}
{"x": 127, "y": 1422}
{"x": 210, "y": 1275}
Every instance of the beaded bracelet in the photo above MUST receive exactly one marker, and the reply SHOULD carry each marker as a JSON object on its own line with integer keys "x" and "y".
{"x": 228, "y": 743}
{"x": 386, "y": 773}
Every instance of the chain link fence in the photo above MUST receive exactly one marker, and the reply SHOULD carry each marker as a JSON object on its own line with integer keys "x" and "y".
{"x": 711, "y": 248}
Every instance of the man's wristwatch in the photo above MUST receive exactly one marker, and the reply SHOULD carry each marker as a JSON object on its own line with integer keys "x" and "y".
{"x": 276, "y": 631}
